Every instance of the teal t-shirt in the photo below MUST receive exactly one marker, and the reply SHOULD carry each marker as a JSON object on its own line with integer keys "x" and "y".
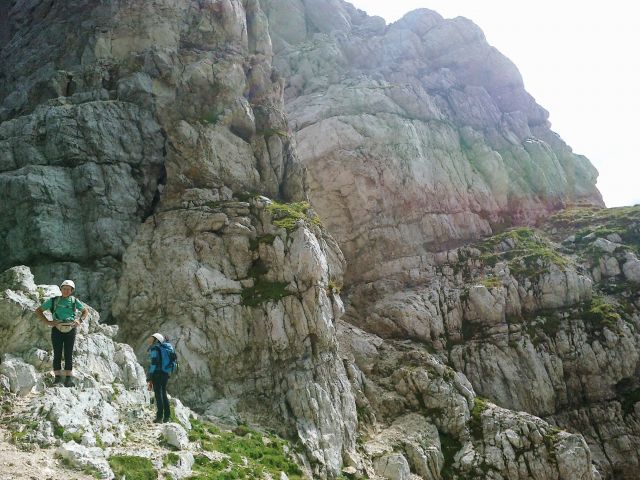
{"x": 64, "y": 308}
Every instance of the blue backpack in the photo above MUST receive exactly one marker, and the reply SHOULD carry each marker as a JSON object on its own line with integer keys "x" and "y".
{"x": 168, "y": 357}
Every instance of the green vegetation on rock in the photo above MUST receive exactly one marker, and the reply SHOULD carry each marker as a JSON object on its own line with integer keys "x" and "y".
{"x": 251, "y": 454}
{"x": 262, "y": 290}
{"x": 475, "y": 422}
{"x": 600, "y": 313}
{"x": 583, "y": 221}
{"x": 287, "y": 215}
{"x": 526, "y": 251}
{"x": 132, "y": 467}
{"x": 450, "y": 446}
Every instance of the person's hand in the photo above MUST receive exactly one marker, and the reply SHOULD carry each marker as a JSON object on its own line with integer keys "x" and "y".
{"x": 50, "y": 323}
{"x": 76, "y": 323}
{"x": 149, "y": 386}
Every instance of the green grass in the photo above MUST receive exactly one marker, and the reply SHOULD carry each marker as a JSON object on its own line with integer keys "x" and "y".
{"x": 132, "y": 467}
{"x": 529, "y": 254}
{"x": 263, "y": 291}
{"x": 491, "y": 282}
{"x": 250, "y": 455}
{"x": 287, "y": 215}
{"x": 171, "y": 459}
{"x": 475, "y": 422}
{"x": 600, "y": 313}
{"x": 625, "y": 221}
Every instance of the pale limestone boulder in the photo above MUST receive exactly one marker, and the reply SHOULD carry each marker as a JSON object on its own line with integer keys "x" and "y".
{"x": 562, "y": 288}
{"x": 184, "y": 466}
{"x": 605, "y": 245}
{"x": 22, "y": 377}
{"x": 175, "y": 435}
{"x": 392, "y": 466}
{"x": 631, "y": 268}
{"x": 82, "y": 457}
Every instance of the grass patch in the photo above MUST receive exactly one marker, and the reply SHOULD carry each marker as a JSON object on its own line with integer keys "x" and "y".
{"x": 491, "y": 282}
{"x": 171, "y": 459}
{"x": 475, "y": 422}
{"x": 58, "y": 431}
{"x": 287, "y": 215}
{"x": 251, "y": 454}
{"x": 525, "y": 250}
{"x": 600, "y": 313}
{"x": 264, "y": 291}
{"x": 625, "y": 221}
{"x": 132, "y": 467}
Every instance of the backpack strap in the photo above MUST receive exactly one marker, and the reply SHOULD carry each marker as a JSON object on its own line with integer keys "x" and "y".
{"x": 54, "y": 305}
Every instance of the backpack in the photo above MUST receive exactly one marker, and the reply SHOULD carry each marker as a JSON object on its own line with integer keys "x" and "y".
{"x": 54, "y": 305}
{"x": 168, "y": 358}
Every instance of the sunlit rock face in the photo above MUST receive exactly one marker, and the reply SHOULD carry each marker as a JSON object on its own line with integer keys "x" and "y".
{"x": 142, "y": 143}
{"x": 130, "y": 131}
{"x": 416, "y": 135}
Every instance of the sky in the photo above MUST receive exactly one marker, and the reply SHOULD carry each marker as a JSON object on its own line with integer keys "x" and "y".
{"x": 579, "y": 60}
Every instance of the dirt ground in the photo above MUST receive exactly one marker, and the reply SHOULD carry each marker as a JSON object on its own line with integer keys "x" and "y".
{"x": 38, "y": 464}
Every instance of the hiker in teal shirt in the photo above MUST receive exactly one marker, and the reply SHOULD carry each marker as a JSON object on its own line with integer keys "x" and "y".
{"x": 63, "y": 334}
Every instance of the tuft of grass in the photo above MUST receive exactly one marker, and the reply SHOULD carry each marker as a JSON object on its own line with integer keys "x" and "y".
{"x": 287, "y": 215}
{"x": 491, "y": 282}
{"x": 263, "y": 291}
{"x": 171, "y": 459}
{"x": 600, "y": 313}
{"x": 333, "y": 287}
{"x": 132, "y": 467}
{"x": 475, "y": 422}
{"x": 58, "y": 431}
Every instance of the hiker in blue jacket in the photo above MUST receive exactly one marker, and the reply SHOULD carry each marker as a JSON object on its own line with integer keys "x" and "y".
{"x": 63, "y": 334}
{"x": 157, "y": 377}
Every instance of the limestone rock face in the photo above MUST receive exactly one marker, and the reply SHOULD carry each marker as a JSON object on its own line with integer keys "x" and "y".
{"x": 431, "y": 424}
{"x": 533, "y": 325}
{"x": 417, "y": 134}
{"x": 254, "y": 320}
{"x": 118, "y": 104}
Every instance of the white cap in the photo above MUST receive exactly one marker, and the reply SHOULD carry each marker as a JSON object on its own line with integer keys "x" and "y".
{"x": 68, "y": 283}
{"x": 159, "y": 337}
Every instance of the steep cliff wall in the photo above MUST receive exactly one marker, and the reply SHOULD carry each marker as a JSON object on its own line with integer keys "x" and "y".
{"x": 417, "y": 135}
{"x": 145, "y": 150}
{"x": 130, "y": 133}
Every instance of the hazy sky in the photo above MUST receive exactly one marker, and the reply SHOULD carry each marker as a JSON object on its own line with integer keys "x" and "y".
{"x": 579, "y": 60}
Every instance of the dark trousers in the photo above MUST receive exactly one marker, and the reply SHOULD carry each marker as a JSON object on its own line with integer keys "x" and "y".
{"x": 63, "y": 342}
{"x": 159, "y": 380}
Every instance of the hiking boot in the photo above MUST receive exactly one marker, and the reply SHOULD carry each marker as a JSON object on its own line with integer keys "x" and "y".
{"x": 157, "y": 420}
{"x": 59, "y": 380}
{"x": 166, "y": 420}
{"x": 69, "y": 382}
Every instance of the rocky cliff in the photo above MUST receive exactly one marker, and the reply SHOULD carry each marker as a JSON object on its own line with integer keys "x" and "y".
{"x": 191, "y": 163}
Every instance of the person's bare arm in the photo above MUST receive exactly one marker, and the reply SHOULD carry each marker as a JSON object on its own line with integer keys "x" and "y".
{"x": 43, "y": 318}
{"x": 83, "y": 316}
